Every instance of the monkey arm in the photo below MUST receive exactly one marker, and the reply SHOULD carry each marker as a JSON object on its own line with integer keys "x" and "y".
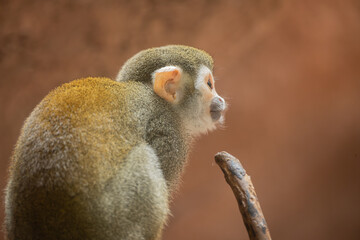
{"x": 136, "y": 197}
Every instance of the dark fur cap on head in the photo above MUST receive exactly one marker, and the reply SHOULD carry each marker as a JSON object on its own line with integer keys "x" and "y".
{"x": 142, "y": 65}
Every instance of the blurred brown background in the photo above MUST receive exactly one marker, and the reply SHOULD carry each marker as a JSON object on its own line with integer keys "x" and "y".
{"x": 290, "y": 70}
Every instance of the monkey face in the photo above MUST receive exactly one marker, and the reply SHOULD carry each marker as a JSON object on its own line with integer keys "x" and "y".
{"x": 201, "y": 109}
{"x": 212, "y": 105}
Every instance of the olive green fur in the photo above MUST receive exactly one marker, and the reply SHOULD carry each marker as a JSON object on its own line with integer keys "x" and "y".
{"x": 99, "y": 159}
{"x": 142, "y": 65}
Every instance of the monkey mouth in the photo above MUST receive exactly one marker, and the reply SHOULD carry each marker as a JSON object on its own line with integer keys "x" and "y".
{"x": 215, "y": 115}
{"x": 217, "y": 108}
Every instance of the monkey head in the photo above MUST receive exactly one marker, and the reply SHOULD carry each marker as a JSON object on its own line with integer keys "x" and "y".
{"x": 182, "y": 76}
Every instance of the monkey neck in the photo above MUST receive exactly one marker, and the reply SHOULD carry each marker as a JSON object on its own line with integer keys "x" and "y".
{"x": 162, "y": 128}
{"x": 165, "y": 133}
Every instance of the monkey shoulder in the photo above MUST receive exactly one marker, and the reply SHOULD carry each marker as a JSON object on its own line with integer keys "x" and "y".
{"x": 82, "y": 123}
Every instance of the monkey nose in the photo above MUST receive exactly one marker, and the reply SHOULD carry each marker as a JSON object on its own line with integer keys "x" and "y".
{"x": 222, "y": 101}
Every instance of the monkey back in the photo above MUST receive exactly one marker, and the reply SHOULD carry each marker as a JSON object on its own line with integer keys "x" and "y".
{"x": 72, "y": 145}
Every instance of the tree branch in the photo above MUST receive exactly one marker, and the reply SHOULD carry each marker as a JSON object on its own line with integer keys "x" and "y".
{"x": 245, "y": 194}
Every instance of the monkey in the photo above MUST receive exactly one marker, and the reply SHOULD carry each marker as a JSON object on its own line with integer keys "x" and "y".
{"x": 100, "y": 158}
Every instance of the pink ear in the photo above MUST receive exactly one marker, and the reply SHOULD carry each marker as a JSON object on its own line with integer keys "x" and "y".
{"x": 166, "y": 82}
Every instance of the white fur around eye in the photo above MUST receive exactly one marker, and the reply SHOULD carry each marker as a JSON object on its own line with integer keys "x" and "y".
{"x": 203, "y": 72}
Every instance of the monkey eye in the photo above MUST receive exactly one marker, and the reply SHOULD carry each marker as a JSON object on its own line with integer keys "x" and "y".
{"x": 209, "y": 84}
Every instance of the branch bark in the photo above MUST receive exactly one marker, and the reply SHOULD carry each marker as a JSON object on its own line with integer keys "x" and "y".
{"x": 245, "y": 194}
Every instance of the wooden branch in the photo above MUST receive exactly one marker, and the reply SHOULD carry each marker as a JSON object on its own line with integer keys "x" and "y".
{"x": 245, "y": 194}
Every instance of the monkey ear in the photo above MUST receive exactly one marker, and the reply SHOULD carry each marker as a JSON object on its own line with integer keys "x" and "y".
{"x": 166, "y": 83}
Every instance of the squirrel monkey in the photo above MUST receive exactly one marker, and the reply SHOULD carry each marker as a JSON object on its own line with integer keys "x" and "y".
{"x": 99, "y": 159}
